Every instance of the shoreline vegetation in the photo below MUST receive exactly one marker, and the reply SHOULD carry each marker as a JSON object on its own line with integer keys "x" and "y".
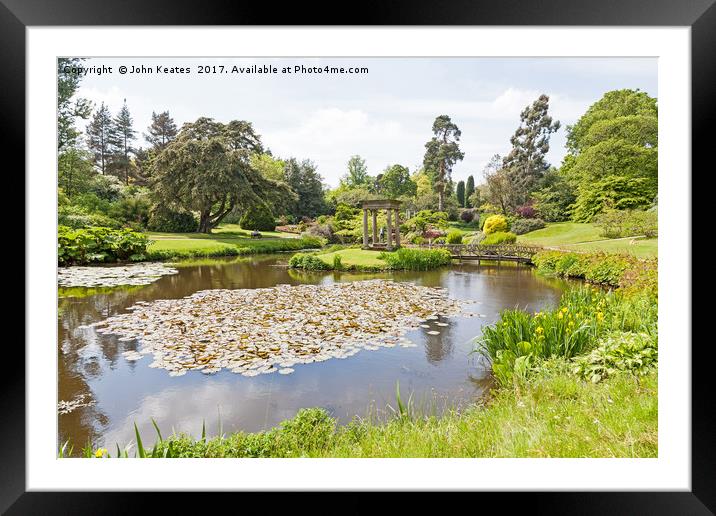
{"x": 579, "y": 380}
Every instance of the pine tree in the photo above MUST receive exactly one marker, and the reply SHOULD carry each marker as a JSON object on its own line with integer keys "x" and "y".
{"x": 526, "y": 163}
{"x": 469, "y": 190}
{"x": 124, "y": 135}
{"x": 161, "y": 131}
{"x": 441, "y": 153}
{"x": 101, "y": 137}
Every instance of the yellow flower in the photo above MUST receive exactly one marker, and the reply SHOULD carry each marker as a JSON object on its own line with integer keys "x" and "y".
{"x": 560, "y": 315}
{"x": 100, "y": 452}
{"x": 565, "y": 309}
{"x": 571, "y": 323}
{"x": 600, "y": 316}
{"x": 539, "y": 330}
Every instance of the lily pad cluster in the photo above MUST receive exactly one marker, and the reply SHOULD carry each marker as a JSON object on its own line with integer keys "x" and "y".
{"x": 261, "y": 331}
{"x": 82, "y": 400}
{"x": 137, "y": 274}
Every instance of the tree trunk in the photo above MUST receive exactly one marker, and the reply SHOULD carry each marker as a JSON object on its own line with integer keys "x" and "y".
{"x": 204, "y": 222}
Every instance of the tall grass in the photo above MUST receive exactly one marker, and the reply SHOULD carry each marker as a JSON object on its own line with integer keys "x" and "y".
{"x": 416, "y": 259}
{"x": 519, "y": 339}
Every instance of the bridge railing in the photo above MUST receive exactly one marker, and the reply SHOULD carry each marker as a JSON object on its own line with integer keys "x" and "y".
{"x": 498, "y": 250}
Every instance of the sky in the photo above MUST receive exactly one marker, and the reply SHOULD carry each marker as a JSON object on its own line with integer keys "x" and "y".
{"x": 384, "y": 115}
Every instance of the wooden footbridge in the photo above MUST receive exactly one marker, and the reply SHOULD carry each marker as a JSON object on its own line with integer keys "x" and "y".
{"x": 498, "y": 253}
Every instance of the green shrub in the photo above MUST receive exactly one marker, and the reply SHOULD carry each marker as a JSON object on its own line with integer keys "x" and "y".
{"x": 476, "y": 238}
{"x": 82, "y": 220}
{"x": 494, "y": 224}
{"x": 258, "y": 218}
{"x": 635, "y": 353}
{"x": 522, "y": 226}
{"x": 602, "y": 268}
{"x": 454, "y": 237}
{"x": 416, "y": 259}
{"x": 483, "y": 218}
{"x": 626, "y": 223}
{"x": 308, "y": 261}
{"x": 499, "y": 237}
{"x": 97, "y": 245}
{"x": 169, "y": 221}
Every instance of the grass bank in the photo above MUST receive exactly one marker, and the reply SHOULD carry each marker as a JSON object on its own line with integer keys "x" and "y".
{"x": 170, "y": 249}
{"x": 363, "y": 260}
{"x": 554, "y": 414}
{"x": 586, "y": 237}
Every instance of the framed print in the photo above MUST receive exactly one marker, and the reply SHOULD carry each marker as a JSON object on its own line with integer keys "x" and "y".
{"x": 421, "y": 252}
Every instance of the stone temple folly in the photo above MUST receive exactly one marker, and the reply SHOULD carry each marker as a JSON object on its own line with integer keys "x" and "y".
{"x": 391, "y": 206}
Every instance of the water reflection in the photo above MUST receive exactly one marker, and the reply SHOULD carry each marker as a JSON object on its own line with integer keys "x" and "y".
{"x": 441, "y": 371}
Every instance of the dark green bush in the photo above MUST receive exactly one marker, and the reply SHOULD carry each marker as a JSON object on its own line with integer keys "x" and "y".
{"x": 522, "y": 226}
{"x": 168, "y": 221}
{"x": 258, "y": 218}
{"x": 97, "y": 245}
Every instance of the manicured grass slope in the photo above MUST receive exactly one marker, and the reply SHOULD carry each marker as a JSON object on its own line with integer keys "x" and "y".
{"x": 585, "y": 237}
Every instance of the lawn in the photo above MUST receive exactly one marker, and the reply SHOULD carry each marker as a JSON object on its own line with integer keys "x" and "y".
{"x": 585, "y": 237}
{"x": 358, "y": 257}
{"x": 562, "y": 233}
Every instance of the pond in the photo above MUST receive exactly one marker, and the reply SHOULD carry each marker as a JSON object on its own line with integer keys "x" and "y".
{"x": 112, "y": 393}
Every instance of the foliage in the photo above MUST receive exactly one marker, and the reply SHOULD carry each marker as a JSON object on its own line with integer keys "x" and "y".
{"x": 424, "y": 220}
{"x": 526, "y": 164}
{"x": 168, "y": 221}
{"x": 499, "y": 237}
{"x": 468, "y": 215}
{"x": 526, "y": 211}
{"x": 258, "y": 218}
{"x": 454, "y": 237}
{"x": 495, "y": 223}
{"x": 522, "y": 226}
{"x": 69, "y": 107}
{"x": 161, "y": 131}
{"x": 395, "y": 182}
{"x": 98, "y": 244}
{"x": 624, "y": 223}
{"x": 357, "y": 175}
{"x": 460, "y": 193}
{"x": 519, "y": 339}
{"x": 307, "y": 184}
{"x": 416, "y": 259}
{"x": 476, "y": 238}
{"x": 613, "y": 154}
{"x": 207, "y": 169}
{"x": 324, "y": 231}
{"x": 441, "y": 153}
{"x": 469, "y": 191}
{"x": 555, "y": 196}
{"x": 631, "y": 352}
{"x": 308, "y": 261}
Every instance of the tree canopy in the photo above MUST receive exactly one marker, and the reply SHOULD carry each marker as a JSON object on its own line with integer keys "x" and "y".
{"x": 207, "y": 169}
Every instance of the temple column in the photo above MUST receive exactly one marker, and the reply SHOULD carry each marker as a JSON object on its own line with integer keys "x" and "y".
{"x": 375, "y": 226}
{"x": 390, "y": 229}
{"x": 365, "y": 228}
{"x": 397, "y": 228}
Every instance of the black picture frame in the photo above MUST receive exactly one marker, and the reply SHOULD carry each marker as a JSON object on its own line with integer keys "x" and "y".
{"x": 699, "y": 15}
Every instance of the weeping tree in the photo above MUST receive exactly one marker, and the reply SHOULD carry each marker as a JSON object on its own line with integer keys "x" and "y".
{"x": 207, "y": 169}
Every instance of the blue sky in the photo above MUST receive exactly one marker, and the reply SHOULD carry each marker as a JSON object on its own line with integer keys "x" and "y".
{"x": 385, "y": 115}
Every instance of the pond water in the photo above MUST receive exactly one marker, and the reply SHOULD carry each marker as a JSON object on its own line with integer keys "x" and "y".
{"x": 440, "y": 372}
